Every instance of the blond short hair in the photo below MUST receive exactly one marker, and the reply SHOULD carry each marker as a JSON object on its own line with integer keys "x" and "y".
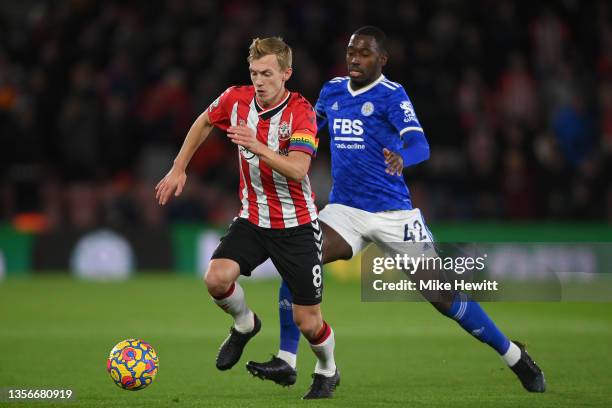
{"x": 260, "y": 47}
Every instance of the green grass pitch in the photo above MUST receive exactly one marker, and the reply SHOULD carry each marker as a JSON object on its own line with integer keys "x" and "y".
{"x": 57, "y": 332}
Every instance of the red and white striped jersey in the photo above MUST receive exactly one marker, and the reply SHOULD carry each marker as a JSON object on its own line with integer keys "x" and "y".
{"x": 269, "y": 199}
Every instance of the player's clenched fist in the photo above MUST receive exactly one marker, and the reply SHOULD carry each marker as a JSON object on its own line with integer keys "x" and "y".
{"x": 173, "y": 182}
{"x": 394, "y": 162}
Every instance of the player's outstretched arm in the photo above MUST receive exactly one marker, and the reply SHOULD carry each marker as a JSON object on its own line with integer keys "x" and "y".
{"x": 294, "y": 166}
{"x": 174, "y": 181}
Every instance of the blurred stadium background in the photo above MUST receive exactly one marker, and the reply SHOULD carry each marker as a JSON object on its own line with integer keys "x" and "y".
{"x": 95, "y": 99}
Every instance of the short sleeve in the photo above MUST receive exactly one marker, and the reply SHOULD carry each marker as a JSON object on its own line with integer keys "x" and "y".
{"x": 401, "y": 114}
{"x": 320, "y": 109}
{"x": 219, "y": 110}
{"x": 304, "y": 133}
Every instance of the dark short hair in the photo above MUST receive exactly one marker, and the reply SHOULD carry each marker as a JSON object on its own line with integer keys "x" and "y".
{"x": 378, "y": 34}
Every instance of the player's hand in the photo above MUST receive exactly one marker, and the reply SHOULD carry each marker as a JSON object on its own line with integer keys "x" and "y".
{"x": 173, "y": 182}
{"x": 245, "y": 136}
{"x": 394, "y": 162}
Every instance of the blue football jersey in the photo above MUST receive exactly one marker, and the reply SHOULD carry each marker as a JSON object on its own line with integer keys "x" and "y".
{"x": 361, "y": 123}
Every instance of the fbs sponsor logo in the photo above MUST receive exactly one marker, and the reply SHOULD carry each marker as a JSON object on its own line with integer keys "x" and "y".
{"x": 348, "y": 127}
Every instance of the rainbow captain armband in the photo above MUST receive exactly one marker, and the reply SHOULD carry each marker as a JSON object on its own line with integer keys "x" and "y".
{"x": 304, "y": 142}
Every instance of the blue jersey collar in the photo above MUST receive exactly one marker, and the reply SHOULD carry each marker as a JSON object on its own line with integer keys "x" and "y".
{"x": 365, "y": 88}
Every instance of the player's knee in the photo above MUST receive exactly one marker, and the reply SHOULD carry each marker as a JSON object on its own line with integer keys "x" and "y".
{"x": 308, "y": 322}
{"x": 334, "y": 246}
{"x": 214, "y": 283}
{"x": 221, "y": 274}
{"x": 217, "y": 281}
{"x": 331, "y": 254}
{"x": 309, "y": 328}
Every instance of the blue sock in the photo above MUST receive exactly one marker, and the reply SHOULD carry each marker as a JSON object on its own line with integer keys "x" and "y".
{"x": 289, "y": 332}
{"x": 475, "y": 321}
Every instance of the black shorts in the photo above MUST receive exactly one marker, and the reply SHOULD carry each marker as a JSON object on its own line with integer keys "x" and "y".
{"x": 295, "y": 252}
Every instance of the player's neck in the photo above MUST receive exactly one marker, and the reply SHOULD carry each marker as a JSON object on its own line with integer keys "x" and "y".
{"x": 277, "y": 99}
{"x": 355, "y": 86}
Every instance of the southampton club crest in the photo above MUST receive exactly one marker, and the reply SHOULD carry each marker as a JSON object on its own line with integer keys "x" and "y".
{"x": 367, "y": 109}
{"x": 284, "y": 131}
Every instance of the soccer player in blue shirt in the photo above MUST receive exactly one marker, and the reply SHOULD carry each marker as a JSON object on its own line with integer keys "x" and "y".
{"x": 374, "y": 134}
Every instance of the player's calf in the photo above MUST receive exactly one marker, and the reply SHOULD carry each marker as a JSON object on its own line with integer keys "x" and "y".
{"x": 228, "y": 295}
{"x": 308, "y": 319}
{"x": 321, "y": 338}
{"x": 473, "y": 319}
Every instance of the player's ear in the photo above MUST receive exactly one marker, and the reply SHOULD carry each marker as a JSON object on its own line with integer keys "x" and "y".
{"x": 287, "y": 74}
{"x": 384, "y": 57}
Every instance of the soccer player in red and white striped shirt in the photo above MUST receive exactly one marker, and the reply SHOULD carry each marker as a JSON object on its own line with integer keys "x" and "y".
{"x": 275, "y": 132}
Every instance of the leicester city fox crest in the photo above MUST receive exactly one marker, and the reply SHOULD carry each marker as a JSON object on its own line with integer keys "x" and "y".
{"x": 367, "y": 109}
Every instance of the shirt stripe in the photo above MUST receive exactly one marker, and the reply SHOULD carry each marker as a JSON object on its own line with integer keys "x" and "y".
{"x": 255, "y": 172}
{"x": 253, "y": 206}
{"x": 243, "y": 193}
{"x": 309, "y": 196}
{"x": 280, "y": 181}
{"x": 388, "y": 86}
{"x": 276, "y": 213}
{"x": 410, "y": 128}
{"x": 297, "y": 194}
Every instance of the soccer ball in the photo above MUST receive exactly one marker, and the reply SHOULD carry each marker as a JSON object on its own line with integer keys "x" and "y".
{"x": 132, "y": 364}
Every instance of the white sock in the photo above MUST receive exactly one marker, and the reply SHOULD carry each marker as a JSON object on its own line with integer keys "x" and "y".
{"x": 289, "y": 358}
{"x": 326, "y": 365}
{"x": 235, "y": 305}
{"x": 513, "y": 355}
